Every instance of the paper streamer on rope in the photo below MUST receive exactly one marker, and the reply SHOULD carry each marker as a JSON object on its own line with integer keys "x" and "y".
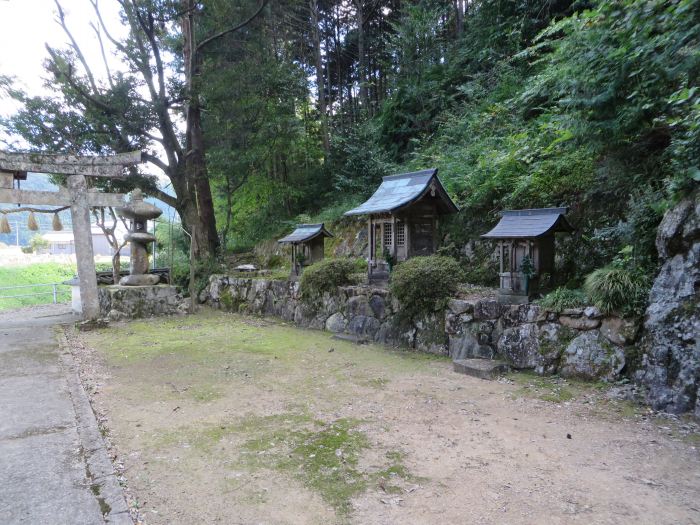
{"x": 31, "y": 222}
{"x": 5, "y": 225}
{"x": 56, "y": 223}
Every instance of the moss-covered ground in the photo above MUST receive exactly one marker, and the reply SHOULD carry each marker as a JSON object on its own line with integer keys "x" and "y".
{"x": 291, "y": 383}
{"x": 224, "y": 418}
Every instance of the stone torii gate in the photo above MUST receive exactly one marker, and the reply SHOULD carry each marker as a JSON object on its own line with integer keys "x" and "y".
{"x": 14, "y": 166}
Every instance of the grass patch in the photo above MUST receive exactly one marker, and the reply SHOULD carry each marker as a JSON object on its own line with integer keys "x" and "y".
{"x": 553, "y": 389}
{"x": 214, "y": 356}
{"x": 42, "y": 273}
{"x": 323, "y": 456}
{"x": 377, "y": 382}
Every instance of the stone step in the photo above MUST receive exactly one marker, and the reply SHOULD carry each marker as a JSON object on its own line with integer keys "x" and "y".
{"x": 352, "y": 338}
{"x": 481, "y": 368}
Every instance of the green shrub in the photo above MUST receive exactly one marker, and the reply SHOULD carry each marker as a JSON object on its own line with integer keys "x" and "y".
{"x": 618, "y": 290}
{"x": 563, "y": 298}
{"x": 37, "y": 242}
{"x": 423, "y": 284}
{"x": 360, "y": 265}
{"x": 326, "y": 276}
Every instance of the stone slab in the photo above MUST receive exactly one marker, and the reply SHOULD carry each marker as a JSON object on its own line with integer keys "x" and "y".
{"x": 481, "y": 368}
{"x": 352, "y": 338}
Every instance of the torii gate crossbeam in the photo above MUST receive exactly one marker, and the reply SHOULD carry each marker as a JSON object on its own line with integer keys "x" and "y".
{"x": 78, "y": 197}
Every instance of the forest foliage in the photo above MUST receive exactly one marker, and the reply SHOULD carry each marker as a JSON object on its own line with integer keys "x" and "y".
{"x": 590, "y": 104}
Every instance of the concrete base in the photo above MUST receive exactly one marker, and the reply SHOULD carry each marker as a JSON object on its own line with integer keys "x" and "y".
{"x": 133, "y": 302}
{"x": 145, "y": 279}
{"x": 481, "y": 368}
{"x": 509, "y": 297}
{"x": 75, "y": 302}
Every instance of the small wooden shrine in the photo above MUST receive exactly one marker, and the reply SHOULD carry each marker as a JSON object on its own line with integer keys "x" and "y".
{"x": 526, "y": 250}
{"x": 308, "y": 242}
{"x": 403, "y": 219}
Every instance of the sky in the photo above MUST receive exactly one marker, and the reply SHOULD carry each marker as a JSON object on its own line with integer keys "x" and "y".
{"x": 27, "y": 25}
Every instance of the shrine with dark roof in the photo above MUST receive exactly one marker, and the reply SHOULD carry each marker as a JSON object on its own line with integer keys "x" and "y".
{"x": 526, "y": 248}
{"x": 402, "y": 219}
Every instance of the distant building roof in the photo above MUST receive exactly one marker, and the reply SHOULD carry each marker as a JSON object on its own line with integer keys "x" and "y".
{"x": 398, "y": 191}
{"x": 67, "y": 235}
{"x": 530, "y": 223}
{"x": 306, "y": 232}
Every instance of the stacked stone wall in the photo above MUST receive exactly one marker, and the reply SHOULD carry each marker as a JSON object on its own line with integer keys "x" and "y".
{"x": 574, "y": 343}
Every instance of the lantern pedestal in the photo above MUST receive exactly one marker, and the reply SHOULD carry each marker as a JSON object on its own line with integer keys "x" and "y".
{"x": 119, "y": 302}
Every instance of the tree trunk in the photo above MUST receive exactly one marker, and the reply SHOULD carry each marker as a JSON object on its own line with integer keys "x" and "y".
{"x": 197, "y": 204}
{"x": 361, "y": 68}
{"x": 116, "y": 265}
{"x": 320, "y": 84}
{"x": 459, "y": 17}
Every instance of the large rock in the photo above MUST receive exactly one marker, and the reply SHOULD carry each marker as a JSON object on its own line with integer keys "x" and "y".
{"x": 579, "y": 323}
{"x": 620, "y": 331}
{"x": 430, "y": 335}
{"x": 467, "y": 346}
{"x": 671, "y": 354}
{"x": 515, "y": 314}
{"x": 519, "y": 345}
{"x": 359, "y": 305}
{"x": 487, "y": 309}
{"x": 336, "y": 323}
{"x": 553, "y": 340}
{"x": 364, "y": 327}
{"x": 459, "y": 306}
{"x": 217, "y": 283}
{"x": 591, "y": 356}
{"x": 378, "y": 306}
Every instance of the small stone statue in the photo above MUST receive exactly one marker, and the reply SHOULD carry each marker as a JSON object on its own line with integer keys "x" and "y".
{"x": 139, "y": 212}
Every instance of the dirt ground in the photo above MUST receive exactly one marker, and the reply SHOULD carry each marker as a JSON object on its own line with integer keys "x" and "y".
{"x": 218, "y": 418}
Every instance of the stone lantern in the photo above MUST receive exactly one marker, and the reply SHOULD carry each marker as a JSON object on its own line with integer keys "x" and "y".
{"x": 139, "y": 212}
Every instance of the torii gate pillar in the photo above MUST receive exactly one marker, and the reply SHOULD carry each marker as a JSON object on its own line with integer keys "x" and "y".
{"x": 84, "y": 255}
{"x": 78, "y": 197}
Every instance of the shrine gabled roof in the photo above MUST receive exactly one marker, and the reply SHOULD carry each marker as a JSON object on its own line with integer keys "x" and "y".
{"x": 519, "y": 224}
{"x": 305, "y": 232}
{"x": 399, "y": 191}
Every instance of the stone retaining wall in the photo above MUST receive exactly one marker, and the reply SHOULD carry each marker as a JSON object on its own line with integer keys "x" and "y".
{"x": 135, "y": 302}
{"x": 575, "y": 343}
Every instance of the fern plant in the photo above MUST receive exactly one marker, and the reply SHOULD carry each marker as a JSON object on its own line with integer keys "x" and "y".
{"x": 620, "y": 290}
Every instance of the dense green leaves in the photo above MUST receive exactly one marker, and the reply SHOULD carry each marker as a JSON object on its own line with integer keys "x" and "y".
{"x": 422, "y": 284}
{"x": 326, "y": 276}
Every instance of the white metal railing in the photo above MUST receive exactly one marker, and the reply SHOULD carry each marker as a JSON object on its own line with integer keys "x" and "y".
{"x": 54, "y": 291}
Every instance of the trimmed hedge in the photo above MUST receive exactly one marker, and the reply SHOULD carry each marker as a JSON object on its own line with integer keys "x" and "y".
{"x": 423, "y": 284}
{"x": 326, "y": 276}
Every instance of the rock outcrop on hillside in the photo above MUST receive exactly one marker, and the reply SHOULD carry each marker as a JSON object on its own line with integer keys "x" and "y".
{"x": 671, "y": 352}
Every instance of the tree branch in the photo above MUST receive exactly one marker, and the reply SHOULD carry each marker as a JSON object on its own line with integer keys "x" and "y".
{"x": 96, "y": 28}
{"x": 76, "y": 48}
{"x": 166, "y": 198}
{"x": 71, "y": 80}
{"x": 121, "y": 47}
{"x": 216, "y": 36}
{"x": 147, "y": 157}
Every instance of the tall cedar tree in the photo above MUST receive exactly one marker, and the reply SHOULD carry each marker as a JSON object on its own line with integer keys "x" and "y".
{"x": 137, "y": 109}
